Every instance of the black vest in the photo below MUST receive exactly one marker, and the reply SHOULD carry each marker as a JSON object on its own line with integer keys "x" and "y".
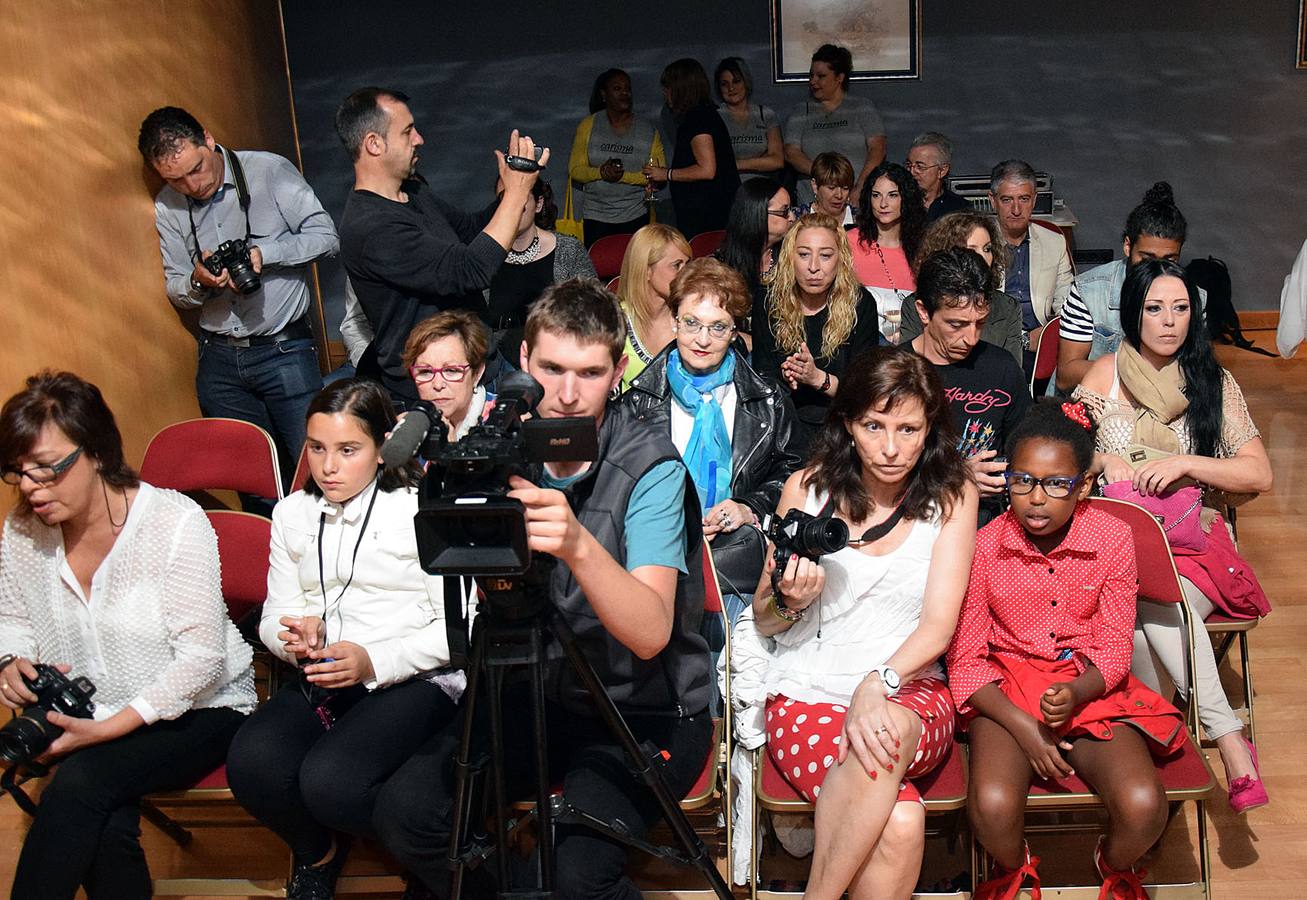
{"x": 676, "y": 681}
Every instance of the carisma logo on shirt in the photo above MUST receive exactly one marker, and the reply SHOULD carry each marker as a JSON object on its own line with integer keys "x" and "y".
{"x": 613, "y": 147}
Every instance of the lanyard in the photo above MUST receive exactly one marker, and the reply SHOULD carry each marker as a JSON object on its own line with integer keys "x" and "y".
{"x": 242, "y": 197}
{"x": 322, "y": 583}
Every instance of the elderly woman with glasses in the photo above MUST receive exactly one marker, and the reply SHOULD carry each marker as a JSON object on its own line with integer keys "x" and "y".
{"x": 735, "y": 430}
{"x": 446, "y": 356}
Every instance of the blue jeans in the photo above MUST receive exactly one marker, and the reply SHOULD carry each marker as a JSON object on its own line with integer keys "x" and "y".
{"x": 269, "y": 385}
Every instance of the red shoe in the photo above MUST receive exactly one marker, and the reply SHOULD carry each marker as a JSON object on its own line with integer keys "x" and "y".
{"x": 1127, "y": 885}
{"x": 1246, "y": 792}
{"x": 1007, "y": 885}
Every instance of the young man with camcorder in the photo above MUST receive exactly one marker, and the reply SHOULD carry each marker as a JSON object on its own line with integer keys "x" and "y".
{"x": 625, "y": 532}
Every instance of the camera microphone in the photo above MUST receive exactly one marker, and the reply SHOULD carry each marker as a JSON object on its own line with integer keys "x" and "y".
{"x": 409, "y": 434}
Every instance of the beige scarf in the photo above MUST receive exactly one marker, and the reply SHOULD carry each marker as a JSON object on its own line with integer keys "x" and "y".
{"x": 1159, "y": 398}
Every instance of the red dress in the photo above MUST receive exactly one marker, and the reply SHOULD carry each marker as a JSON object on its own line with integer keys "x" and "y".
{"x": 1030, "y": 620}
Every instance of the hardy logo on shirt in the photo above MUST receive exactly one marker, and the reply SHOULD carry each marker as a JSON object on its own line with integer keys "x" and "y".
{"x": 978, "y": 402}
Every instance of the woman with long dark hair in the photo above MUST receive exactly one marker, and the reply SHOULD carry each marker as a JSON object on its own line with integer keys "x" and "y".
{"x": 890, "y": 221}
{"x": 760, "y": 218}
{"x": 349, "y": 604}
{"x": 106, "y": 577}
{"x": 702, "y": 175}
{"x": 857, "y": 704}
{"x": 1164, "y": 398}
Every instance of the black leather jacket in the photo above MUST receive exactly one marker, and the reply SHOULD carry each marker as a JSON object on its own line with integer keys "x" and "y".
{"x": 766, "y": 445}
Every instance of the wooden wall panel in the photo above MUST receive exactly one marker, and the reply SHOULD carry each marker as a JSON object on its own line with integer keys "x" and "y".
{"x": 81, "y": 284}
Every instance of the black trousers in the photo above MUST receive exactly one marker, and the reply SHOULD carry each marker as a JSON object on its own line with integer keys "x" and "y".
{"x": 305, "y": 781}
{"x": 87, "y": 828}
{"x": 413, "y": 816}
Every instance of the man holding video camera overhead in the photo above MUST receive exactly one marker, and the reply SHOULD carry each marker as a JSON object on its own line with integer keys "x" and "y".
{"x": 237, "y": 230}
{"x": 410, "y": 254}
{"x": 628, "y": 581}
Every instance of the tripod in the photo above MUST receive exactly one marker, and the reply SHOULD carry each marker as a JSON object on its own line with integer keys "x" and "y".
{"x": 512, "y": 629}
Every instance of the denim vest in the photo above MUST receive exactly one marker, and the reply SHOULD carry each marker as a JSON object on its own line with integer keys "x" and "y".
{"x": 1100, "y": 290}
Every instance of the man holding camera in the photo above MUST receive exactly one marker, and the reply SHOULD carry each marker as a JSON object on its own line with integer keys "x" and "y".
{"x": 237, "y": 230}
{"x": 625, "y": 533}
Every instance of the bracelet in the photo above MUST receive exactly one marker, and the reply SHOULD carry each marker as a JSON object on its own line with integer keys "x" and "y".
{"x": 784, "y": 613}
{"x": 669, "y": 174}
{"x": 825, "y": 385}
{"x": 6, "y": 660}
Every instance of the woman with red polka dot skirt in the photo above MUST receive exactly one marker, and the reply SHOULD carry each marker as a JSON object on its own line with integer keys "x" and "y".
{"x": 857, "y": 704}
{"x": 1040, "y": 664}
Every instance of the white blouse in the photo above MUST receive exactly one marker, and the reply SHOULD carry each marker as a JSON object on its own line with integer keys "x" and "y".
{"x": 868, "y": 608}
{"x": 154, "y": 633}
{"x": 380, "y": 599}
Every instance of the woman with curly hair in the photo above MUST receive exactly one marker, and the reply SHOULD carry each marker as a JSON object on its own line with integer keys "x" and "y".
{"x": 890, "y": 220}
{"x": 815, "y": 317}
{"x": 978, "y": 232}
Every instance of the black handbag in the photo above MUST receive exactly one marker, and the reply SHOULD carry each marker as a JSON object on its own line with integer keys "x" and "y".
{"x": 739, "y": 557}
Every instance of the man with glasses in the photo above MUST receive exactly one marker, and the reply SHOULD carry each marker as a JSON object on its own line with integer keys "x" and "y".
{"x": 257, "y": 358}
{"x": 929, "y": 160}
{"x": 408, "y": 253}
{"x": 985, "y": 388}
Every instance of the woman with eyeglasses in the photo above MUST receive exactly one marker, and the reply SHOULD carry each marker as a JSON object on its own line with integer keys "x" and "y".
{"x": 105, "y": 577}
{"x": 760, "y": 218}
{"x": 446, "y": 357}
{"x": 857, "y": 705}
{"x": 1163, "y": 399}
{"x": 734, "y": 429}
{"x": 349, "y": 604}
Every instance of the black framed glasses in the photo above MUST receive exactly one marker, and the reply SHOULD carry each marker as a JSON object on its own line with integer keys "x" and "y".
{"x": 788, "y": 212}
{"x": 717, "y": 330}
{"x": 40, "y": 474}
{"x": 916, "y": 168}
{"x": 451, "y": 374}
{"x": 1055, "y": 486}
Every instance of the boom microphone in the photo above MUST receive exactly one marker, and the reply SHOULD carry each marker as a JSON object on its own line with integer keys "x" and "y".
{"x": 409, "y": 434}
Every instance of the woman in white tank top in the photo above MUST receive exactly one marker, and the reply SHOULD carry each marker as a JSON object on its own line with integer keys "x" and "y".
{"x": 857, "y": 705}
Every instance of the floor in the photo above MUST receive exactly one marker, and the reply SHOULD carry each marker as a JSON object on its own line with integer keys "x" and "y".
{"x": 1261, "y": 855}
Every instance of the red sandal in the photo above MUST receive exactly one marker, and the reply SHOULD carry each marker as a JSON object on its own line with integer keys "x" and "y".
{"x": 1007, "y": 885}
{"x": 1119, "y": 885}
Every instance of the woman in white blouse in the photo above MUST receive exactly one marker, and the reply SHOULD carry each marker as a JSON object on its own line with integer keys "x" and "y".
{"x": 108, "y": 578}
{"x": 349, "y": 603}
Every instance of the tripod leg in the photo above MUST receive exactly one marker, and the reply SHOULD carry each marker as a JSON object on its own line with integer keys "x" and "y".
{"x": 641, "y": 766}
{"x": 500, "y": 812}
{"x": 463, "y": 763}
{"x": 544, "y": 806}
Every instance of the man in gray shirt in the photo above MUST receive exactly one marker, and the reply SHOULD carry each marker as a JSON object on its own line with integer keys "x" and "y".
{"x": 257, "y": 359}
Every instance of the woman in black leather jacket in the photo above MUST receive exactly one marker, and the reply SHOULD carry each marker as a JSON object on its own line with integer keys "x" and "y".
{"x": 736, "y": 430}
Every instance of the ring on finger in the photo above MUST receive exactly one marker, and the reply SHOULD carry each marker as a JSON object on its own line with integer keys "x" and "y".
{"x": 881, "y": 730}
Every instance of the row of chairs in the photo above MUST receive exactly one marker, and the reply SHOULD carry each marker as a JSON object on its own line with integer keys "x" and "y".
{"x": 608, "y": 252}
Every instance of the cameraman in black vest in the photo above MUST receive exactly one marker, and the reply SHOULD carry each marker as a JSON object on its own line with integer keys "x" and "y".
{"x": 625, "y": 532}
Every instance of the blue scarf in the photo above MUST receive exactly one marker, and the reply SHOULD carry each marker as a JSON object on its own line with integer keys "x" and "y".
{"x": 708, "y": 454}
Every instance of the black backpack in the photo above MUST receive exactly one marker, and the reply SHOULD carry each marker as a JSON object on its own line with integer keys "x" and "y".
{"x": 1213, "y": 276}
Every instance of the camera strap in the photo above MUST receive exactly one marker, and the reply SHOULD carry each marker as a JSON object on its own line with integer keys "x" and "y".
{"x": 875, "y": 532}
{"x": 10, "y": 785}
{"x": 353, "y": 560}
{"x": 242, "y": 197}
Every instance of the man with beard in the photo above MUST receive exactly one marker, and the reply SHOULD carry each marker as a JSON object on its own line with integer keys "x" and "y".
{"x": 408, "y": 253}
{"x": 986, "y": 391}
{"x": 1091, "y": 318}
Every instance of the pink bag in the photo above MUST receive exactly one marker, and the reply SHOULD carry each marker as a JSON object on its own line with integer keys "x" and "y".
{"x": 1178, "y": 512}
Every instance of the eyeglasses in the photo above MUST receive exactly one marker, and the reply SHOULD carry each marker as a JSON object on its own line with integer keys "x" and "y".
{"x": 40, "y": 474}
{"x": 789, "y": 212}
{"x": 1055, "y": 486}
{"x": 717, "y": 330}
{"x": 451, "y": 374}
{"x": 917, "y": 168}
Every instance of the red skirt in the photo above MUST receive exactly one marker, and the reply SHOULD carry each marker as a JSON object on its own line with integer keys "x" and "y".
{"x": 803, "y": 738}
{"x": 1132, "y": 702}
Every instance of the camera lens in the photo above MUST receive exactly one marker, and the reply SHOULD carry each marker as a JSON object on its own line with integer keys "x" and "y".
{"x": 819, "y": 537}
{"x": 26, "y": 737}
{"x": 244, "y": 278}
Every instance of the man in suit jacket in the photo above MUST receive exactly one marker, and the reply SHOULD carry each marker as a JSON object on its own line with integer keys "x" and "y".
{"x": 1039, "y": 274}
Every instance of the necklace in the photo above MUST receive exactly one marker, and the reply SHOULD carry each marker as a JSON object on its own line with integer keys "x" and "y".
{"x": 521, "y": 257}
{"x": 884, "y": 265}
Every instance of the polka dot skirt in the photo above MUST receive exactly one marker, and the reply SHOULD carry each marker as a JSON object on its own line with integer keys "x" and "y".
{"x": 803, "y": 739}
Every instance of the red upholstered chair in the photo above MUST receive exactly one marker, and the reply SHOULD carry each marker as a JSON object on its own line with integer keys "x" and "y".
{"x": 607, "y": 254}
{"x": 301, "y": 473}
{"x": 1046, "y": 355}
{"x": 706, "y": 244}
{"x": 213, "y": 454}
{"x": 615, "y": 283}
{"x": 1186, "y": 776}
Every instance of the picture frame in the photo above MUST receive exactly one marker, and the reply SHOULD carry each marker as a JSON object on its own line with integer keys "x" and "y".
{"x": 1302, "y": 34}
{"x": 884, "y": 36}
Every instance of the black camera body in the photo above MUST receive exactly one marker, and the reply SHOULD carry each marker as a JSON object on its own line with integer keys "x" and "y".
{"x": 234, "y": 256}
{"x": 803, "y": 534}
{"x": 30, "y": 734}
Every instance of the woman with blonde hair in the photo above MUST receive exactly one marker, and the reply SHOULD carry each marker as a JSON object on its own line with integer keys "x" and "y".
{"x": 978, "y": 232}
{"x": 654, "y": 256}
{"x": 815, "y": 318}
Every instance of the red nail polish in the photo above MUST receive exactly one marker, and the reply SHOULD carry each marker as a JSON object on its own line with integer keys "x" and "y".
{"x": 873, "y": 774}
{"x": 898, "y": 743}
{"x": 896, "y": 757}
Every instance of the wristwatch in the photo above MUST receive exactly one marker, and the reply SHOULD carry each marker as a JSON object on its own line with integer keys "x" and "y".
{"x": 890, "y": 678}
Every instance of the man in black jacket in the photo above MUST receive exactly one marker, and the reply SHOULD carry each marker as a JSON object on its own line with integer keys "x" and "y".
{"x": 408, "y": 253}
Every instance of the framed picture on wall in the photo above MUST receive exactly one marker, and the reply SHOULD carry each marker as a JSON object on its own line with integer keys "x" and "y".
{"x": 884, "y": 36}
{"x": 1302, "y": 34}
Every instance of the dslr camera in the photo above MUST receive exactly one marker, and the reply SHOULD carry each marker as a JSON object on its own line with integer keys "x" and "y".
{"x": 234, "y": 256}
{"x": 29, "y": 734}
{"x": 806, "y": 535}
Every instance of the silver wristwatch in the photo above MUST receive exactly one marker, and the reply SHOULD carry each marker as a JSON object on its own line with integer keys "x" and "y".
{"x": 890, "y": 678}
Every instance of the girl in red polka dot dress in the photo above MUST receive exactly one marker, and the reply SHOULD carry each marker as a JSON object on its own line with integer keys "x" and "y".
{"x": 1040, "y": 664}
{"x": 857, "y": 704}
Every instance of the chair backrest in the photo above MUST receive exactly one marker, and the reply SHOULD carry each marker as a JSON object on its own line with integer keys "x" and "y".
{"x": 213, "y": 454}
{"x": 615, "y": 283}
{"x": 1046, "y": 351}
{"x": 1158, "y": 579}
{"x": 706, "y": 244}
{"x": 243, "y": 543}
{"x": 607, "y": 254}
{"x": 301, "y": 473}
